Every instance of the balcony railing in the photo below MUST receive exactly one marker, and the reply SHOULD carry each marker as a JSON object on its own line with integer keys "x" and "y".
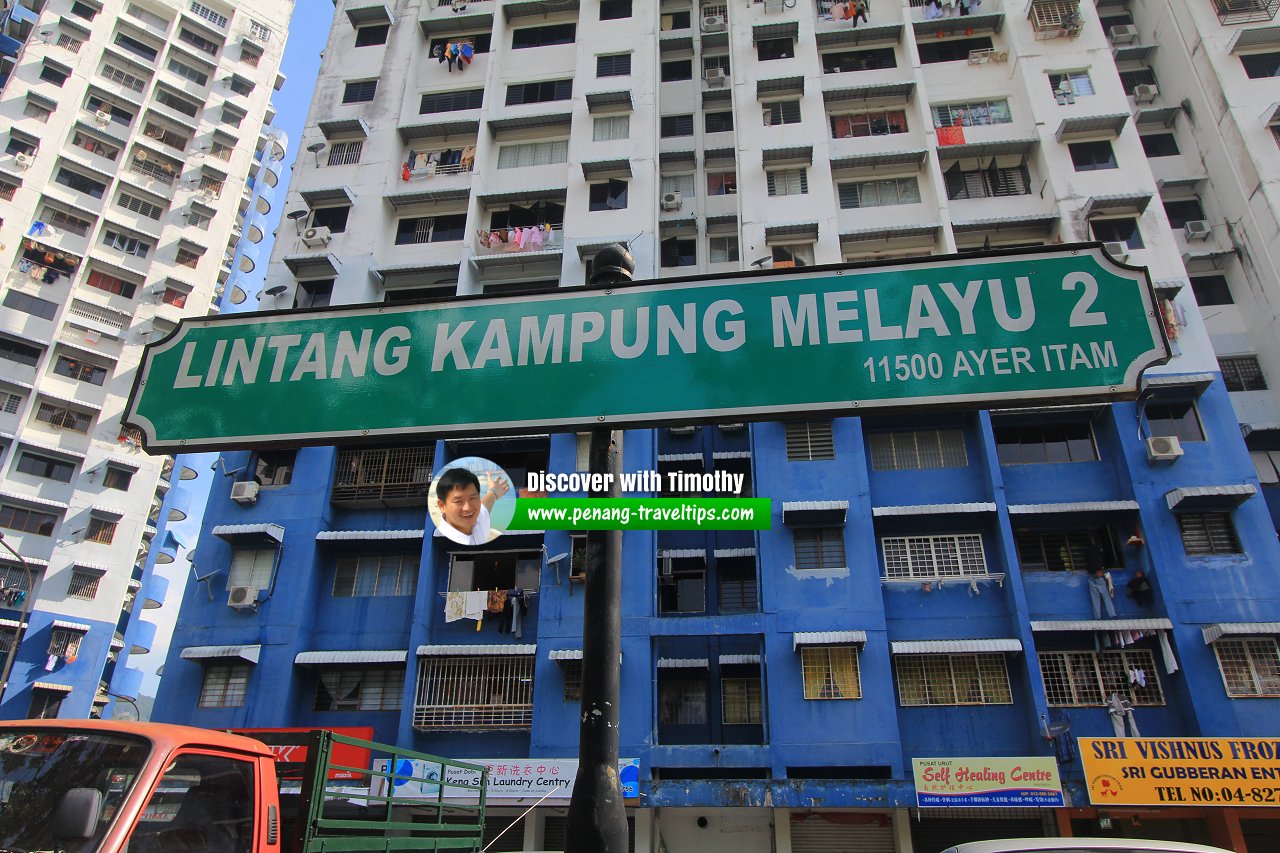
{"x": 471, "y": 693}
{"x": 395, "y": 475}
{"x": 1245, "y": 11}
{"x": 502, "y": 241}
{"x": 153, "y": 170}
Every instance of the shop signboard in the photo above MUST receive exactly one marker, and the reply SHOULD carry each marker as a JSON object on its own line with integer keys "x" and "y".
{"x": 987, "y": 782}
{"x": 509, "y": 778}
{"x": 1185, "y": 771}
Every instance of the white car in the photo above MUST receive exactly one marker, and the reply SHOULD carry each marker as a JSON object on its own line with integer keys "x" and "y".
{"x": 1081, "y": 845}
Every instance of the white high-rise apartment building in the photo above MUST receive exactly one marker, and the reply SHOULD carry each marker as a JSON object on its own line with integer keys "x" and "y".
{"x": 136, "y": 134}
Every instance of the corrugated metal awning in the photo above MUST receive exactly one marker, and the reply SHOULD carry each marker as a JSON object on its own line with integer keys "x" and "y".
{"x": 515, "y": 259}
{"x": 683, "y": 663}
{"x": 365, "y": 535}
{"x": 328, "y": 195}
{"x": 890, "y": 232}
{"x": 565, "y": 654}
{"x": 932, "y": 509}
{"x": 40, "y": 100}
{"x": 1197, "y": 381}
{"x": 1208, "y": 497}
{"x": 675, "y": 44}
{"x": 1118, "y": 203}
{"x": 424, "y": 196}
{"x": 1181, "y": 182}
{"x": 91, "y": 568}
{"x": 731, "y": 454}
{"x": 779, "y": 234}
{"x": 54, "y": 686}
{"x": 532, "y": 194}
{"x": 779, "y": 86}
{"x": 828, "y": 638}
{"x": 1163, "y": 116}
{"x": 533, "y": 8}
{"x": 1046, "y": 626}
{"x": 106, "y": 511}
{"x": 814, "y": 511}
{"x": 914, "y": 157}
{"x": 993, "y": 148}
{"x": 245, "y": 652}
{"x": 784, "y": 30}
{"x": 733, "y": 553}
{"x": 739, "y": 659}
{"x": 71, "y": 626}
{"x": 363, "y": 16}
{"x": 477, "y": 650}
{"x": 318, "y": 265}
{"x": 1132, "y": 52}
{"x": 896, "y": 90}
{"x": 353, "y": 126}
{"x": 588, "y": 249}
{"x": 679, "y": 457}
{"x": 1255, "y": 37}
{"x": 117, "y": 643}
{"x": 1077, "y": 506}
{"x": 457, "y": 24}
{"x": 12, "y": 623}
{"x": 1037, "y": 221}
{"x": 439, "y": 129}
{"x": 682, "y": 553}
{"x": 1235, "y": 629}
{"x": 971, "y": 25}
{"x": 931, "y": 647}
{"x": 32, "y": 499}
{"x": 266, "y": 534}
{"x": 533, "y": 122}
{"x": 606, "y": 168}
{"x": 320, "y": 658}
{"x": 865, "y": 34}
{"x": 716, "y": 96}
{"x": 608, "y": 101}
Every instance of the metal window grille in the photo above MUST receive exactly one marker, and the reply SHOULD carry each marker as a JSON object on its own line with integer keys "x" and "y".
{"x": 152, "y": 169}
{"x": 7, "y": 190}
{"x": 1053, "y": 550}
{"x": 64, "y": 642}
{"x": 830, "y": 672}
{"x": 972, "y": 114}
{"x": 1208, "y": 533}
{"x": 572, "y": 670}
{"x": 819, "y": 548}
{"x": 397, "y": 473}
{"x": 808, "y": 441}
{"x": 100, "y": 530}
{"x": 62, "y": 417}
{"x": 84, "y": 585}
{"x": 1249, "y": 667}
{"x": 357, "y": 689}
{"x": 709, "y": 62}
{"x": 9, "y": 403}
{"x": 991, "y": 182}
{"x": 934, "y": 556}
{"x": 211, "y": 185}
{"x": 137, "y": 205}
{"x": 966, "y": 679}
{"x": 1245, "y": 11}
{"x": 187, "y": 258}
{"x": 166, "y": 136}
{"x": 877, "y": 123}
{"x": 1052, "y": 15}
{"x": 741, "y": 702}
{"x": 106, "y": 316}
{"x": 69, "y": 43}
{"x": 1242, "y": 373}
{"x": 918, "y": 449}
{"x": 346, "y": 153}
{"x": 225, "y": 685}
{"x": 469, "y": 693}
{"x": 221, "y": 150}
{"x": 1089, "y": 678}
{"x": 376, "y": 575}
{"x": 202, "y": 11}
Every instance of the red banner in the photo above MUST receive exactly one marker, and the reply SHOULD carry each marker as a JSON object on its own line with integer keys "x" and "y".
{"x": 290, "y": 748}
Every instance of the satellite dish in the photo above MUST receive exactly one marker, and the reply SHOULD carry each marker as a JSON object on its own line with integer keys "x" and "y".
{"x": 276, "y": 289}
{"x": 557, "y": 558}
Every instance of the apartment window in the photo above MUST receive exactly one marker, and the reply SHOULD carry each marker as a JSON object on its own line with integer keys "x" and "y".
{"x": 490, "y": 692}
{"x": 359, "y": 91}
{"x": 684, "y": 184}
{"x": 232, "y": 116}
{"x": 682, "y": 584}
{"x": 1123, "y": 230}
{"x": 877, "y": 123}
{"x": 480, "y": 42}
{"x": 100, "y": 530}
{"x": 84, "y": 10}
{"x": 782, "y": 112}
{"x": 539, "y": 93}
{"x": 431, "y": 229}
{"x": 1258, "y": 65}
{"x": 543, "y": 36}
{"x": 54, "y": 72}
{"x": 83, "y": 585}
{"x": 673, "y": 126}
{"x": 187, "y": 258}
{"x": 28, "y": 304}
{"x": 197, "y": 41}
{"x": 111, "y": 284}
{"x": 1087, "y": 679}
{"x": 142, "y": 208}
{"x": 1065, "y": 550}
{"x": 1030, "y": 444}
{"x": 859, "y": 60}
{"x": 313, "y": 294}
{"x": 27, "y": 520}
{"x": 66, "y": 221}
{"x": 682, "y": 698}
{"x": 610, "y": 195}
{"x": 80, "y": 183}
{"x": 7, "y": 190}
{"x": 251, "y": 567}
{"x": 613, "y": 65}
{"x": 717, "y": 122}
{"x": 741, "y": 701}
{"x": 1205, "y": 534}
{"x": 359, "y": 689}
{"x": 614, "y": 10}
{"x": 1211, "y": 290}
{"x": 174, "y": 102}
{"x": 1159, "y": 144}
{"x": 372, "y": 35}
{"x": 346, "y": 153}
{"x": 722, "y": 183}
{"x": 45, "y": 704}
{"x": 930, "y": 557}
{"x": 1129, "y": 80}
{"x": 129, "y": 81}
{"x": 400, "y": 474}
{"x": 830, "y": 672}
{"x": 259, "y": 31}
{"x": 535, "y": 215}
{"x": 117, "y": 478}
{"x": 679, "y": 252}
{"x": 376, "y": 576}
{"x": 723, "y": 249}
{"x": 951, "y": 50}
{"x": 124, "y": 243}
{"x": 819, "y": 548}
{"x": 881, "y": 193}
{"x": 37, "y": 111}
{"x": 788, "y": 182}
{"x": 1250, "y": 667}
{"x": 767, "y": 49}
{"x": 274, "y": 467}
{"x": 136, "y": 47}
{"x": 61, "y": 417}
{"x": 808, "y": 441}
{"x": 572, "y": 671}
{"x": 45, "y": 467}
{"x": 960, "y": 679}
{"x": 736, "y": 582}
{"x": 1092, "y": 156}
{"x": 468, "y": 99}
{"x": 19, "y": 353}
{"x": 675, "y": 70}
{"x": 971, "y": 114}
{"x": 9, "y": 403}
{"x": 224, "y": 685}
{"x": 1182, "y": 211}
{"x": 713, "y": 62}
{"x": 1178, "y": 419}
{"x": 65, "y": 642}
{"x": 917, "y": 450}
{"x": 119, "y": 115}
{"x": 200, "y": 216}
{"x": 1242, "y": 373}
{"x": 333, "y": 218}
{"x": 523, "y": 154}
{"x": 990, "y": 182}
{"x": 608, "y": 128}
{"x": 670, "y": 21}
{"x": 188, "y": 72}
{"x": 241, "y": 86}
{"x": 201, "y": 11}
{"x": 1069, "y": 85}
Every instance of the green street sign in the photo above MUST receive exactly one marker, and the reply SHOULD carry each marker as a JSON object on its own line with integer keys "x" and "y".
{"x": 969, "y": 330}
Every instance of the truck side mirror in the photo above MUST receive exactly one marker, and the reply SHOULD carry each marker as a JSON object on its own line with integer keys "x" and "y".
{"x": 77, "y": 816}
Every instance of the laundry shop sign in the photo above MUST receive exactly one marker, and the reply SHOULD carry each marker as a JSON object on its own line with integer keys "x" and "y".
{"x": 989, "y": 330}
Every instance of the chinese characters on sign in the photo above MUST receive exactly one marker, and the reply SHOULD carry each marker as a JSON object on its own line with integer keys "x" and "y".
{"x": 1019, "y": 782}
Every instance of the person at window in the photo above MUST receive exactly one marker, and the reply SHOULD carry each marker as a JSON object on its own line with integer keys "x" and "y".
{"x": 1100, "y": 592}
{"x": 464, "y": 514}
{"x": 1139, "y": 589}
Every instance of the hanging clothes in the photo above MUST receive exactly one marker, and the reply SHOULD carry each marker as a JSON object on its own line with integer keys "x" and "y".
{"x": 454, "y": 606}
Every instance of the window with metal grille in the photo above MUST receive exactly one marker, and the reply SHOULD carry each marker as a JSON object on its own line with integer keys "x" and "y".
{"x": 1063, "y": 550}
{"x": 951, "y": 50}
{"x": 859, "y": 60}
{"x": 673, "y": 126}
{"x": 961, "y": 679}
{"x": 572, "y": 672}
{"x": 710, "y": 62}
{"x": 7, "y": 190}
{"x": 241, "y": 86}
{"x": 934, "y": 556}
{"x": 45, "y": 704}
{"x": 523, "y": 154}
{"x": 45, "y": 467}
{"x": 100, "y": 530}
{"x": 188, "y": 72}
{"x": 971, "y": 114}
{"x": 378, "y": 688}
{"x": 83, "y": 585}
{"x": 65, "y": 221}
{"x": 119, "y": 115}
{"x": 470, "y": 693}
{"x": 251, "y": 567}
{"x": 1030, "y": 444}
{"x": 63, "y": 418}
{"x": 1087, "y": 679}
{"x": 18, "y": 352}
{"x": 819, "y": 548}
{"x": 1092, "y": 156}
{"x": 359, "y": 91}
{"x": 259, "y": 31}
{"x": 990, "y": 182}
{"x": 808, "y": 441}
{"x": 64, "y": 642}
{"x": 397, "y": 473}
{"x": 175, "y": 102}
{"x": 225, "y": 685}
{"x": 606, "y": 128}
{"x": 139, "y": 206}
{"x": 9, "y": 403}
{"x": 1129, "y": 80}
{"x": 431, "y": 229}
{"x": 613, "y": 10}
{"x": 613, "y": 65}
{"x": 346, "y": 153}
{"x": 741, "y": 701}
{"x": 720, "y": 121}
{"x": 543, "y": 36}
{"x": 376, "y": 575}
{"x": 788, "y": 182}
{"x": 136, "y": 47}
{"x": 188, "y": 258}
{"x": 1208, "y": 533}
{"x": 372, "y": 35}
{"x": 26, "y": 520}
{"x": 36, "y": 110}
{"x": 1178, "y": 419}
{"x": 874, "y": 123}
{"x": 28, "y": 304}
{"x": 682, "y": 697}
{"x": 879, "y": 193}
{"x": 1242, "y": 373}
{"x": 1250, "y": 667}
{"x": 443, "y": 102}
{"x": 915, "y": 450}
{"x": 830, "y": 672}
{"x": 1055, "y": 15}
{"x": 539, "y": 93}
{"x": 202, "y": 11}
{"x": 782, "y": 112}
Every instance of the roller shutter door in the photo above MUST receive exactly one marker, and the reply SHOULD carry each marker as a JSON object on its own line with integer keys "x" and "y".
{"x": 816, "y": 834}
{"x": 554, "y": 828}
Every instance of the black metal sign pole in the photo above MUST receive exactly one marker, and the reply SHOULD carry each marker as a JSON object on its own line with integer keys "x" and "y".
{"x": 597, "y": 819}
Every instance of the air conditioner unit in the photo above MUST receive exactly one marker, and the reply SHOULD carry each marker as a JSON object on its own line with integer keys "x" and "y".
{"x": 714, "y": 23}
{"x": 1163, "y": 448}
{"x": 715, "y": 77}
{"x": 102, "y": 117}
{"x": 245, "y": 493}
{"x": 23, "y": 160}
{"x": 1145, "y": 93}
{"x": 1123, "y": 34}
{"x": 1117, "y": 250}
{"x": 317, "y": 237}
{"x": 1196, "y": 229}
{"x": 671, "y": 200}
{"x": 244, "y": 597}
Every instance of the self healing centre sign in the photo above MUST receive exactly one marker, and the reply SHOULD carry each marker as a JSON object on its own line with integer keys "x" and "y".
{"x": 972, "y": 330}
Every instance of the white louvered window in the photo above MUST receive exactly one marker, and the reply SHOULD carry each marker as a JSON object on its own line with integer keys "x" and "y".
{"x": 929, "y": 557}
{"x": 376, "y": 575}
{"x": 533, "y": 154}
{"x": 788, "y": 182}
{"x": 960, "y": 679}
{"x": 1087, "y": 679}
{"x": 251, "y": 567}
{"x": 9, "y": 403}
{"x": 914, "y": 450}
{"x": 225, "y": 685}
{"x": 881, "y": 193}
{"x": 808, "y": 441}
{"x": 607, "y": 128}
{"x": 1250, "y": 667}
{"x": 342, "y": 688}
